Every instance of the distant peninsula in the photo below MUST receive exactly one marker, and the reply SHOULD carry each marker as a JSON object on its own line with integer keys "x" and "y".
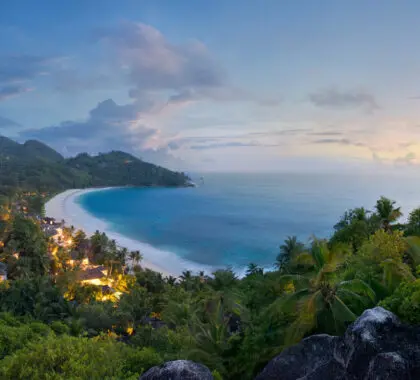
{"x": 34, "y": 165}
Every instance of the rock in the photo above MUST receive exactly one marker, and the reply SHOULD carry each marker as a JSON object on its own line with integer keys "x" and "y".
{"x": 375, "y": 347}
{"x": 178, "y": 370}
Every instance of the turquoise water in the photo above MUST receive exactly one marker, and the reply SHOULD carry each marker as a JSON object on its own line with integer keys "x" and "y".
{"x": 235, "y": 219}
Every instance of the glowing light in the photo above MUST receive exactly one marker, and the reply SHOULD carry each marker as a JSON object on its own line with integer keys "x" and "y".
{"x": 130, "y": 330}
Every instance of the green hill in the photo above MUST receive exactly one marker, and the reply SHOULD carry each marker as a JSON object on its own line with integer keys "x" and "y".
{"x": 36, "y": 166}
{"x": 38, "y": 149}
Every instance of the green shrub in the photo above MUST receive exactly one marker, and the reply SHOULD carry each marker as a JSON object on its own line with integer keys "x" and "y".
{"x": 60, "y": 328}
{"x": 67, "y": 357}
{"x": 405, "y": 302}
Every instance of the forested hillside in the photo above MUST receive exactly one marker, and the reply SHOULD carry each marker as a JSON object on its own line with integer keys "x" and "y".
{"x": 35, "y": 166}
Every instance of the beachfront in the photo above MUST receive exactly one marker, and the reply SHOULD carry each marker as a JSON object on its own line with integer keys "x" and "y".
{"x": 64, "y": 206}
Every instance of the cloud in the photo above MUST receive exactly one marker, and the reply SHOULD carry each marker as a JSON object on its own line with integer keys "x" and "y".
{"x": 184, "y": 72}
{"x": 408, "y": 159}
{"x": 231, "y": 144}
{"x": 12, "y": 90}
{"x": 153, "y": 63}
{"x": 5, "y": 122}
{"x": 338, "y": 142}
{"x": 17, "y": 71}
{"x": 109, "y": 126}
{"x": 335, "y": 99}
{"x": 326, "y": 133}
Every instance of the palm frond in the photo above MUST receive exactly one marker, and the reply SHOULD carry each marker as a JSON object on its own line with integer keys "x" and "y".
{"x": 359, "y": 287}
{"x": 340, "y": 311}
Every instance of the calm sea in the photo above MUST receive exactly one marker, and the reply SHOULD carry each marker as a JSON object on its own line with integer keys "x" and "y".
{"x": 235, "y": 219}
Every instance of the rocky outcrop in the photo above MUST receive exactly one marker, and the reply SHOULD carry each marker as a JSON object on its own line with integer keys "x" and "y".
{"x": 375, "y": 347}
{"x": 178, "y": 370}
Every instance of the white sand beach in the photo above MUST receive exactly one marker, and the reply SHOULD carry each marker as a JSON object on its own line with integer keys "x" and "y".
{"x": 64, "y": 206}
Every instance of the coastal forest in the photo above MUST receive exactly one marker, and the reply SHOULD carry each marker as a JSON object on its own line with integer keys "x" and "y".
{"x": 34, "y": 166}
{"x": 77, "y": 307}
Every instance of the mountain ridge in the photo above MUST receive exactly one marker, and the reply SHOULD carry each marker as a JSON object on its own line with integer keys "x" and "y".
{"x": 34, "y": 165}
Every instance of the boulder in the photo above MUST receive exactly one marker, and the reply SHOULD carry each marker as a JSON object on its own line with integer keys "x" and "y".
{"x": 178, "y": 370}
{"x": 376, "y": 346}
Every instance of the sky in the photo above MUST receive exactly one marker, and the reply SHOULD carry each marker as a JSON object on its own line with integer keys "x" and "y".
{"x": 216, "y": 85}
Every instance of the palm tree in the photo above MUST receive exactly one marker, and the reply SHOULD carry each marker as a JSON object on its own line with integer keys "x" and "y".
{"x": 186, "y": 275}
{"x": 290, "y": 249}
{"x": 138, "y": 257}
{"x": 322, "y": 299}
{"x": 170, "y": 280}
{"x": 132, "y": 256}
{"x": 387, "y": 212}
{"x": 254, "y": 269}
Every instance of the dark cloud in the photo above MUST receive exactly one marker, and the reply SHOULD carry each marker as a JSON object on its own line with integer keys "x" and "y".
{"x": 5, "y": 122}
{"x": 282, "y": 132}
{"x": 332, "y": 98}
{"x": 231, "y": 144}
{"x": 338, "y": 142}
{"x": 21, "y": 68}
{"x": 325, "y": 133}
{"x": 17, "y": 71}
{"x": 109, "y": 126}
{"x": 9, "y": 91}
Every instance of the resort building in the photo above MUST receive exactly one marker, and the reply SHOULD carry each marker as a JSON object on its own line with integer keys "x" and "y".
{"x": 77, "y": 259}
{"x": 93, "y": 275}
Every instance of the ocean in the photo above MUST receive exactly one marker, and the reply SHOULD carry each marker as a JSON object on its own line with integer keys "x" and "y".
{"x": 235, "y": 219}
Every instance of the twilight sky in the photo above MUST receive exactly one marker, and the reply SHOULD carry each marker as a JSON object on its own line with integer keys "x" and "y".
{"x": 216, "y": 85}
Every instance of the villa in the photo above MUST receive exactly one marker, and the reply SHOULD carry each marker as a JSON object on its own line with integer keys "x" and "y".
{"x": 93, "y": 275}
{"x": 77, "y": 259}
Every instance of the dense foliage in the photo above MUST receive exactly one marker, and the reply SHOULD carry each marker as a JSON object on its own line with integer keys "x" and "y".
{"x": 35, "y": 166}
{"x": 53, "y": 325}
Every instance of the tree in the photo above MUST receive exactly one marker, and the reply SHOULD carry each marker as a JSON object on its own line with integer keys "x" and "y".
{"x": 354, "y": 227}
{"x": 413, "y": 225}
{"x": 136, "y": 257}
{"x": 29, "y": 249}
{"x": 382, "y": 257}
{"x": 321, "y": 300}
{"x": 388, "y": 213}
{"x": 254, "y": 269}
{"x": 404, "y": 302}
{"x": 291, "y": 248}
{"x": 223, "y": 279}
{"x": 36, "y": 205}
{"x": 78, "y": 240}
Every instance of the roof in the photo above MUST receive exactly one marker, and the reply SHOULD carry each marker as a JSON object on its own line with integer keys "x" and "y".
{"x": 91, "y": 274}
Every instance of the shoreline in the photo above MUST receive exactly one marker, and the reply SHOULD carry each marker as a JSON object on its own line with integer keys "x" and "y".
{"x": 65, "y": 206}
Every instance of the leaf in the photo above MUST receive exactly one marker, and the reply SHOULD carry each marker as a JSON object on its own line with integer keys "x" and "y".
{"x": 341, "y": 312}
{"x": 359, "y": 287}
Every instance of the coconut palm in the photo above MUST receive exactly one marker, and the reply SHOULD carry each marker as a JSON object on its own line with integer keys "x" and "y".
{"x": 291, "y": 248}
{"x": 170, "y": 280}
{"x": 138, "y": 257}
{"x": 254, "y": 269}
{"x": 321, "y": 300}
{"x": 387, "y": 212}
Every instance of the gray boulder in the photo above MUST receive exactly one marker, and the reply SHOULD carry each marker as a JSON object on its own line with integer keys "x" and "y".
{"x": 178, "y": 370}
{"x": 375, "y": 347}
